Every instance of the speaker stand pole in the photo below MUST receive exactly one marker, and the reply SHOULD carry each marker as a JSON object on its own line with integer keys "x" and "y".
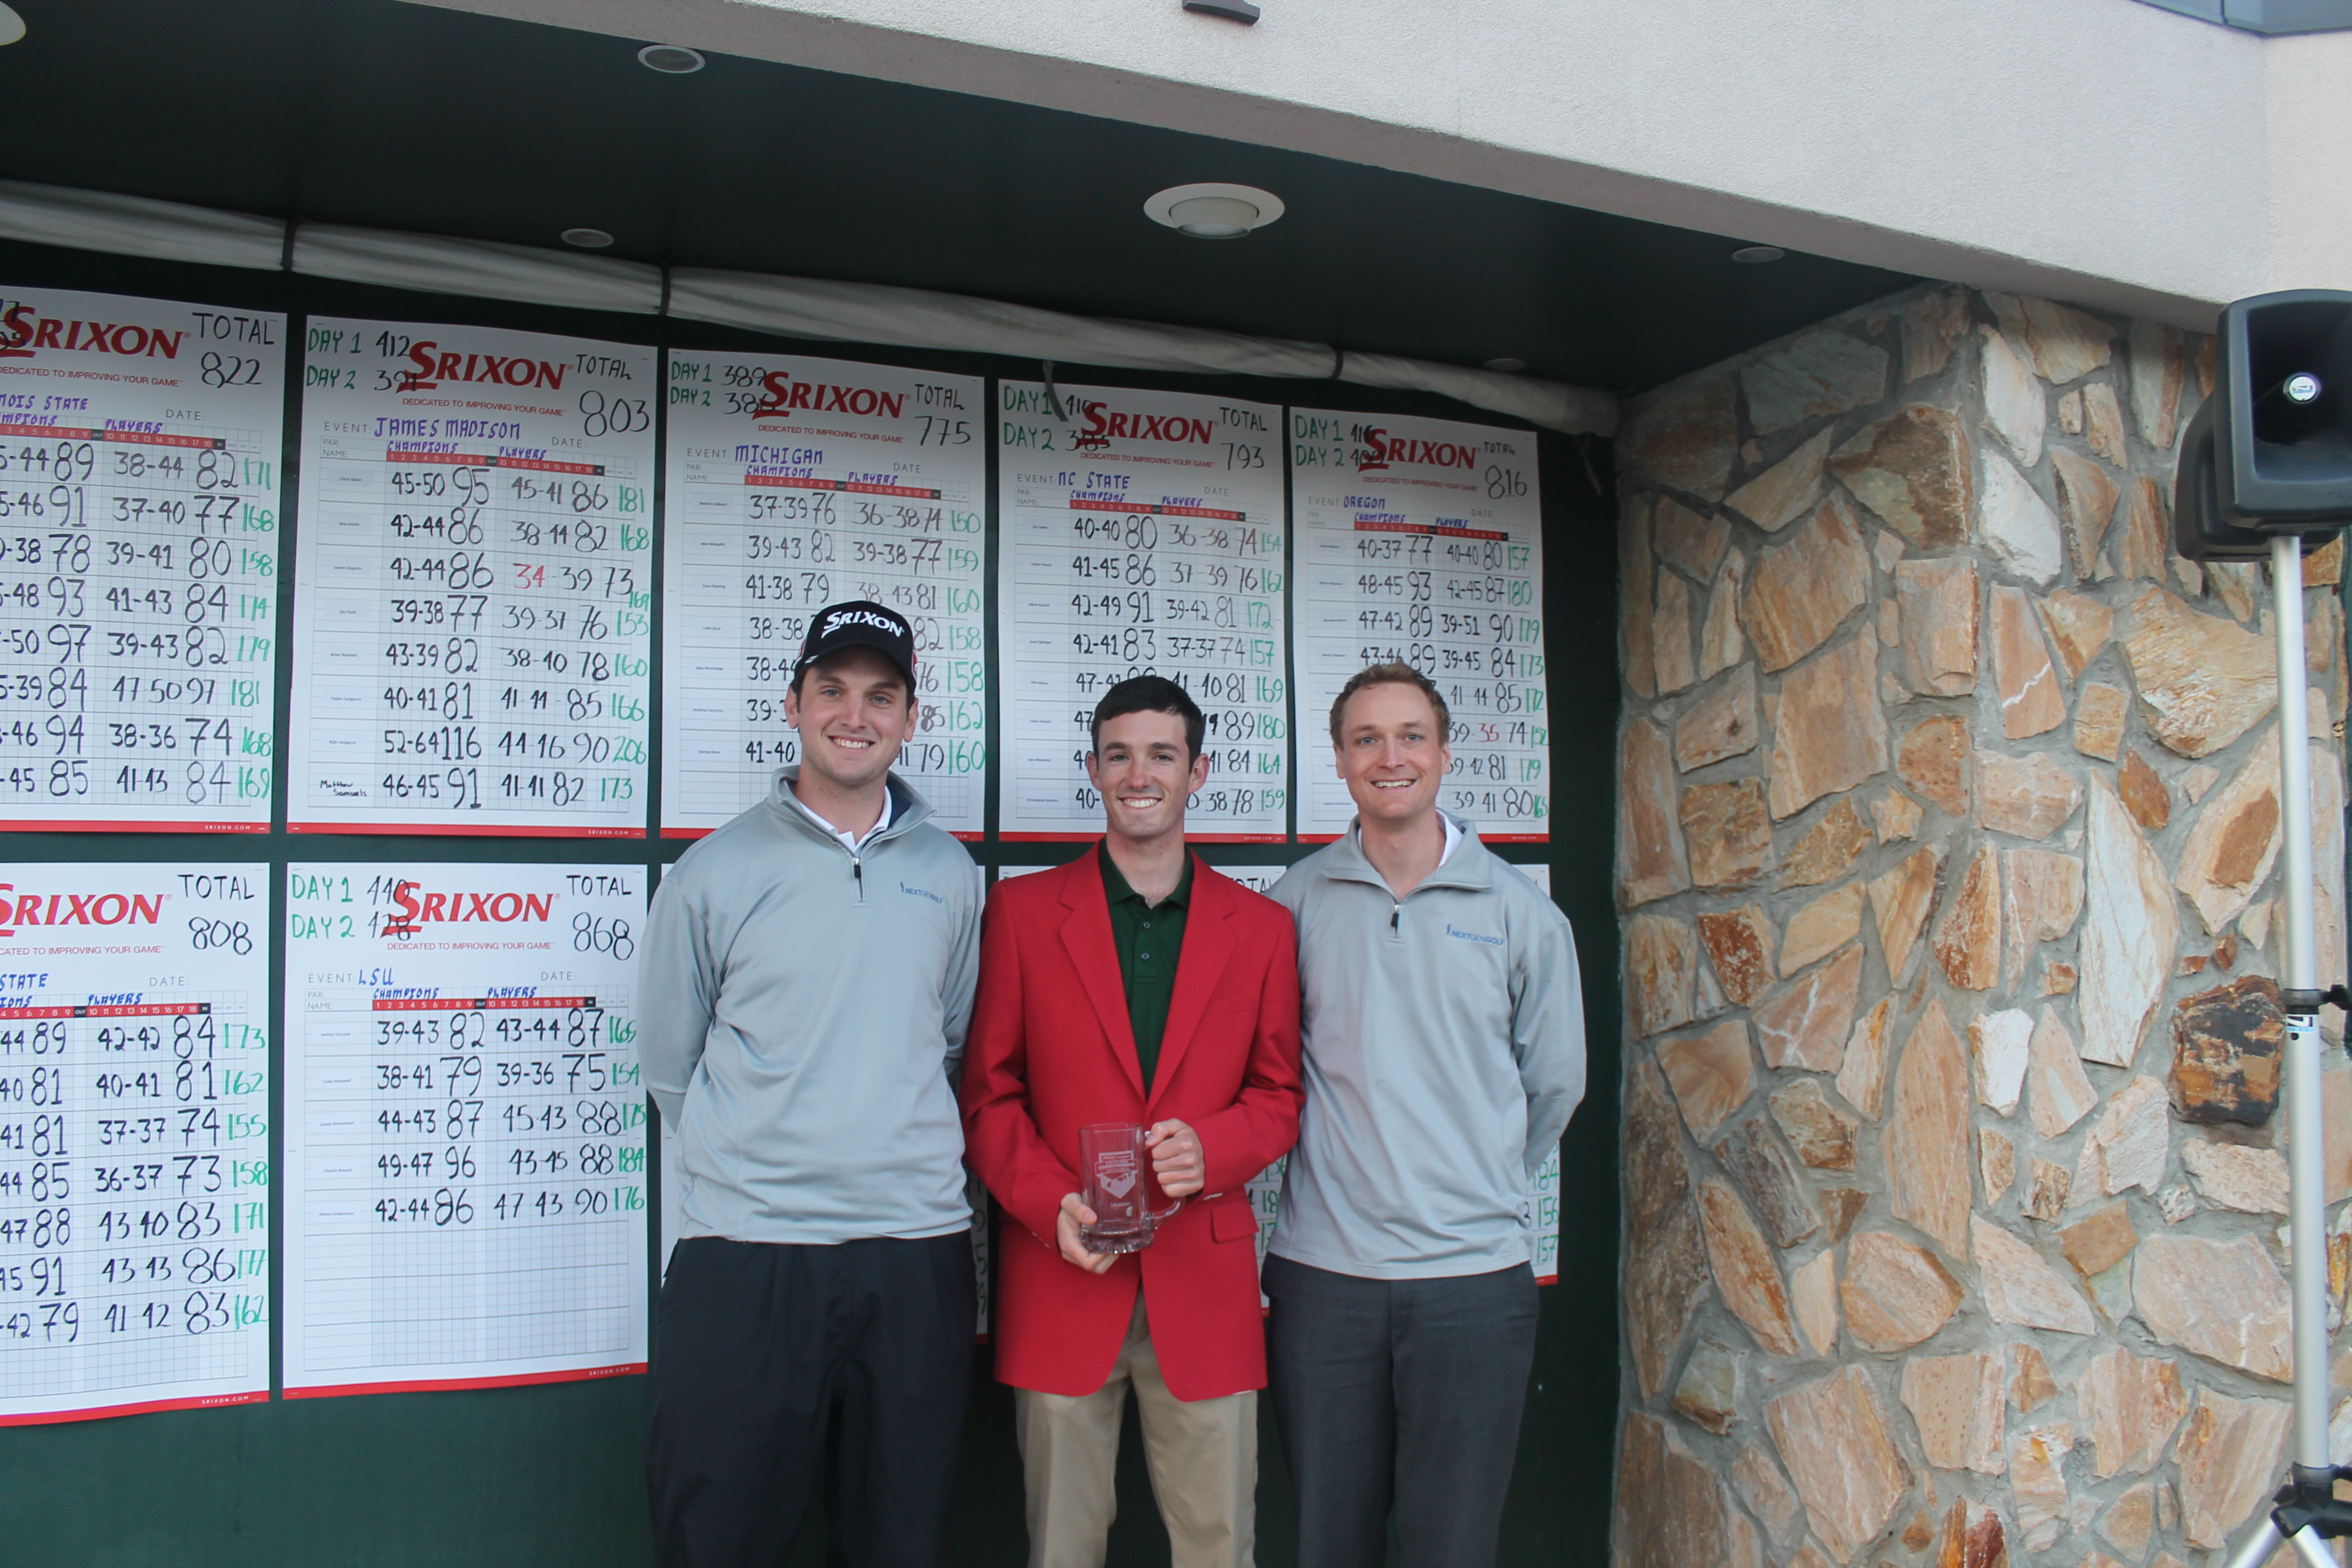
{"x": 2308, "y": 1498}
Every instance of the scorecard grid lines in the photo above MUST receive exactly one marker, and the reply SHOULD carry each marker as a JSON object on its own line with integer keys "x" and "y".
{"x": 134, "y": 1148}
{"x": 474, "y": 600}
{"x": 770, "y": 519}
{"x": 844, "y": 493}
{"x": 466, "y": 1131}
{"x": 139, "y": 528}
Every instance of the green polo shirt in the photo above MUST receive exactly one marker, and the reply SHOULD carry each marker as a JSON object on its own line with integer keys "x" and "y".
{"x": 1149, "y": 938}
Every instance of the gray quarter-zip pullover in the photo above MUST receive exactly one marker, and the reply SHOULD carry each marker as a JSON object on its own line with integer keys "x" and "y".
{"x": 1444, "y": 1052}
{"x": 802, "y": 1009}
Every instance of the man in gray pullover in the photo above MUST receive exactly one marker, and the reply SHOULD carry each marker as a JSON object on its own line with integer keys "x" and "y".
{"x": 804, "y": 986}
{"x": 1444, "y": 1033}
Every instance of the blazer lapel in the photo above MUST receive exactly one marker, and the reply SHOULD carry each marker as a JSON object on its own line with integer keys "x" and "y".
{"x": 1086, "y": 935}
{"x": 1208, "y": 944}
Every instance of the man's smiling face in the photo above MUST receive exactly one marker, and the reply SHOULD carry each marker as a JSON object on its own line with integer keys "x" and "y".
{"x": 1392, "y": 753}
{"x": 1145, "y": 775}
{"x": 853, "y": 712}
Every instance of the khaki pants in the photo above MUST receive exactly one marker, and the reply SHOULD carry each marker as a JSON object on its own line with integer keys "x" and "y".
{"x": 1204, "y": 1460}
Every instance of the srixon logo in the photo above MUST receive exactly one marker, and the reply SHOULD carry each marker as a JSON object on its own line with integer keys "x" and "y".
{"x": 1105, "y": 424}
{"x": 415, "y": 909}
{"x": 1380, "y": 450}
{"x": 435, "y": 366}
{"x": 25, "y": 331}
{"x": 18, "y": 910}
{"x": 781, "y": 397}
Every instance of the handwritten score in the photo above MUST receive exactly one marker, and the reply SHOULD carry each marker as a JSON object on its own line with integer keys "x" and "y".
{"x": 139, "y": 453}
{"x": 473, "y": 599}
{"x": 465, "y": 1126}
{"x": 134, "y": 1139}
{"x": 796, "y": 483}
{"x": 1143, "y": 534}
{"x": 1421, "y": 542}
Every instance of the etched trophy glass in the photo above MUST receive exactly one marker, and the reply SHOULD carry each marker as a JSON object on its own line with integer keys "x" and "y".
{"x": 1118, "y": 1188}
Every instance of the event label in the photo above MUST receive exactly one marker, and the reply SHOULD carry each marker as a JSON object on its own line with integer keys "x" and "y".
{"x": 134, "y": 1139}
{"x": 473, "y": 595}
{"x": 1143, "y": 534}
{"x": 140, "y": 452}
{"x": 465, "y": 1126}
{"x": 1421, "y": 542}
{"x": 797, "y": 483}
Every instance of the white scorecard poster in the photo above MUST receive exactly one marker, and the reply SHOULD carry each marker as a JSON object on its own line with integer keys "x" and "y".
{"x": 135, "y": 1138}
{"x": 473, "y": 593}
{"x": 1546, "y": 1196}
{"x": 1420, "y": 542}
{"x": 139, "y": 451}
{"x": 465, "y": 1126}
{"x": 796, "y": 483}
{"x": 1143, "y": 534}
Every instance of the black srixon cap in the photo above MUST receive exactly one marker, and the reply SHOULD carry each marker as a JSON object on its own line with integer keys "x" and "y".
{"x": 860, "y": 623}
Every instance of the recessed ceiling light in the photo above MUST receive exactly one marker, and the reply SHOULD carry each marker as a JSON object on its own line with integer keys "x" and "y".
{"x": 11, "y": 25}
{"x": 1506, "y": 366}
{"x": 1757, "y": 254}
{"x": 1213, "y": 211}
{"x": 670, "y": 59}
{"x": 587, "y": 239}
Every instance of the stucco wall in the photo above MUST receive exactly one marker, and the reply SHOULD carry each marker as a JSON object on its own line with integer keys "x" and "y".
{"x": 1947, "y": 851}
{"x": 2099, "y": 151}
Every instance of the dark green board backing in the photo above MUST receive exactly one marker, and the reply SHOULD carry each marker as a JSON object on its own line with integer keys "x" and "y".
{"x": 553, "y": 1473}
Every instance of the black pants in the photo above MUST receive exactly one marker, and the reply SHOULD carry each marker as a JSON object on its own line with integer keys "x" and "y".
{"x": 760, "y": 1348}
{"x": 1403, "y": 1394}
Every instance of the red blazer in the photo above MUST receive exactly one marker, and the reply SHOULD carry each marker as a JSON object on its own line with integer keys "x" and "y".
{"x": 1051, "y": 1050}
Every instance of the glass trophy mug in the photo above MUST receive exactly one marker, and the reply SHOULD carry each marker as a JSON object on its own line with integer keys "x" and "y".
{"x": 1117, "y": 1176}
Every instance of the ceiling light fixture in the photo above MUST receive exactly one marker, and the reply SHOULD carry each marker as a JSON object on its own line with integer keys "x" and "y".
{"x": 670, "y": 59}
{"x": 1757, "y": 254}
{"x": 587, "y": 239}
{"x": 1213, "y": 211}
{"x": 1506, "y": 366}
{"x": 11, "y": 25}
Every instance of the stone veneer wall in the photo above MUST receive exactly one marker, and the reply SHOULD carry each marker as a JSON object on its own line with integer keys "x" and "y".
{"x": 1946, "y": 854}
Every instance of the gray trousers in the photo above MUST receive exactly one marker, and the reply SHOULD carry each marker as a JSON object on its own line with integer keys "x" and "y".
{"x": 1400, "y": 1393}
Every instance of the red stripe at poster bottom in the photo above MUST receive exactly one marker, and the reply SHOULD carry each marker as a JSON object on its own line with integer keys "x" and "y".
{"x": 101, "y": 1412}
{"x": 444, "y": 1385}
{"x": 459, "y": 831}
{"x": 1077, "y": 835}
{"x": 34, "y": 825}
{"x": 967, "y": 835}
{"x": 1483, "y": 837}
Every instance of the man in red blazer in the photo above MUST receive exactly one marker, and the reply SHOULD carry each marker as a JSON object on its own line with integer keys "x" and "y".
{"x": 1134, "y": 985}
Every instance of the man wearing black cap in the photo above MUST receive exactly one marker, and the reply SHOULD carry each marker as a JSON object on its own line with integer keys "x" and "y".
{"x": 805, "y": 984}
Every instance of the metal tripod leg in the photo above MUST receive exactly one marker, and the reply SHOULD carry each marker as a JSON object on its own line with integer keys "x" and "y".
{"x": 2308, "y": 1545}
{"x": 2311, "y": 1488}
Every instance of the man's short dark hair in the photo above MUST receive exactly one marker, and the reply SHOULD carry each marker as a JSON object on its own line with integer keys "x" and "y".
{"x": 1392, "y": 674}
{"x": 1151, "y": 694}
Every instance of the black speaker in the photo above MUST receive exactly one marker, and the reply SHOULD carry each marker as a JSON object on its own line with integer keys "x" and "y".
{"x": 2270, "y": 452}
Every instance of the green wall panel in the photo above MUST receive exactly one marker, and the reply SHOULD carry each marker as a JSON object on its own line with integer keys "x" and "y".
{"x": 553, "y": 1474}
